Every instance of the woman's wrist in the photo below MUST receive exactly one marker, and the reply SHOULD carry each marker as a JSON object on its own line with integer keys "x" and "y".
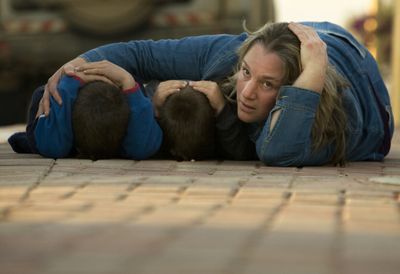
{"x": 128, "y": 83}
{"x": 131, "y": 89}
{"x": 219, "y": 108}
{"x": 311, "y": 79}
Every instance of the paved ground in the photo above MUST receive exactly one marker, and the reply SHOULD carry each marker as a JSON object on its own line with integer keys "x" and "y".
{"x": 77, "y": 216}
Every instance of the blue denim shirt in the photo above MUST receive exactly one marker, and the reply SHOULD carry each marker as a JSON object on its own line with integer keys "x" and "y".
{"x": 213, "y": 57}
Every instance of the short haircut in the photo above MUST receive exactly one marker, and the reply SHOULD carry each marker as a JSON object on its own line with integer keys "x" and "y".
{"x": 100, "y": 118}
{"x": 188, "y": 123}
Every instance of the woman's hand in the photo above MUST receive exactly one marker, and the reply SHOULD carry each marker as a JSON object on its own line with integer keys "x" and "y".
{"x": 50, "y": 88}
{"x": 107, "y": 72}
{"x": 213, "y": 93}
{"x": 164, "y": 90}
{"x": 314, "y": 58}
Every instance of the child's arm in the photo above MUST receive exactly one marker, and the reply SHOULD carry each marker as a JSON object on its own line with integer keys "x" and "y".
{"x": 144, "y": 136}
{"x": 53, "y": 134}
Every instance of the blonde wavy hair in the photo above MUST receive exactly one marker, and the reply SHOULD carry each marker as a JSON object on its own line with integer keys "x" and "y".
{"x": 330, "y": 120}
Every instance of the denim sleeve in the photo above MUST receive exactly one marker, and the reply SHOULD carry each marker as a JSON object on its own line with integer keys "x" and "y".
{"x": 289, "y": 143}
{"x": 144, "y": 136}
{"x": 53, "y": 134}
{"x": 187, "y": 58}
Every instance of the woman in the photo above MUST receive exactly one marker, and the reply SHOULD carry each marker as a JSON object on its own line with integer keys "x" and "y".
{"x": 309, "y": 94}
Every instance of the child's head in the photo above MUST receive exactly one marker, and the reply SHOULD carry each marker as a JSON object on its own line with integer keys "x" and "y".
{"x": 187, "y": 120}
{"x": 99, "y": 118}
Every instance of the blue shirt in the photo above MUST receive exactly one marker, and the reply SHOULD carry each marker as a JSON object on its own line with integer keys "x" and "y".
{"x": 213, "y": 57}
{"x": 54, "y": 136}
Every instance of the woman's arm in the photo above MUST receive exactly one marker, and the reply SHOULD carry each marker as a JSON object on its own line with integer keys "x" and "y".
{"x": 186, "y": 58}
{"x": 289, "y": 143}
{"x": 286, "y": 137}
{"x": 314, "y": 62}
{"x": 51, "y": 90}
{"x": 314, "y": 58}
{"x": 194, "y": 58}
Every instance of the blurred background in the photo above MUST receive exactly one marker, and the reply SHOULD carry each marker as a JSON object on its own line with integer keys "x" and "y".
{"x": 38, "y": 36}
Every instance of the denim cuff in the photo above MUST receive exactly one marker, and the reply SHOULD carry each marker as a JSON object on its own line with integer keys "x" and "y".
{"x": 92, "y": 56}
{"x": 295, "y": 97}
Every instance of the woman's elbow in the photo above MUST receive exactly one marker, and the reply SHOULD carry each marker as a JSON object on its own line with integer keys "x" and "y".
{"x": 273, "y": 161}
{"x": 275, "y": 158}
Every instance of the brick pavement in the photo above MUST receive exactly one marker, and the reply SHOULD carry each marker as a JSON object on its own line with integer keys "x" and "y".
{"x": 119, "y": 216}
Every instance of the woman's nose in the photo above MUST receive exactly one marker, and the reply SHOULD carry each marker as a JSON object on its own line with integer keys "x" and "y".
{"x": 249, "y": 90}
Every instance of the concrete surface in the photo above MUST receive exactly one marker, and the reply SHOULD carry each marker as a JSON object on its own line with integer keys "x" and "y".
{"x": 120, "y": 216}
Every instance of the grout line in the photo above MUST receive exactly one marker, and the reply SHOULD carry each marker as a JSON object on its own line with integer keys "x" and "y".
{"x": 131, "y": 188}
{"x": 5, "y": 213}
{"x": 36, "y": 184}
{"x": 74, "y": 191}
{"x": 341, "y": 215}
{"x": 396, "y": 197}
{"x": 235, "y": 190}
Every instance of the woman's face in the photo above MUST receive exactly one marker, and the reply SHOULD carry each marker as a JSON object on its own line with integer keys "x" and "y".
{"x": 258, "y": 83}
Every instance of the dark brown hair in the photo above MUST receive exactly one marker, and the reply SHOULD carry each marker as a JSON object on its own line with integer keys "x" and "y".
{"x": 99, "y": 118}
{"x": 188, "y": 123}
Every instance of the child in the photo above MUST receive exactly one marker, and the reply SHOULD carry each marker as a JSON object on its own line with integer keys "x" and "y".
{"x": 95, "y": 121}
{"x": 185, "y": 117}
{"x": 102, "y": 110}
{"x": 188, "y": 123}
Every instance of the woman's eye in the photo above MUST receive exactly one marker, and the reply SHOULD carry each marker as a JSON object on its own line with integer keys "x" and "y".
{"x": 246, "y": 72}
{"x": 268, "y": 85}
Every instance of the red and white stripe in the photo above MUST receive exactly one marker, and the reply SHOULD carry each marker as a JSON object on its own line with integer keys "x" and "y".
{"x": 34, "y": 26}
{"x": 183, "y": 19}
{"x": 56, "y": 25}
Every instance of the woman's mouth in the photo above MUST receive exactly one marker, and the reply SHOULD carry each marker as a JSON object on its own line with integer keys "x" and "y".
{"x": 246, "y": 108}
